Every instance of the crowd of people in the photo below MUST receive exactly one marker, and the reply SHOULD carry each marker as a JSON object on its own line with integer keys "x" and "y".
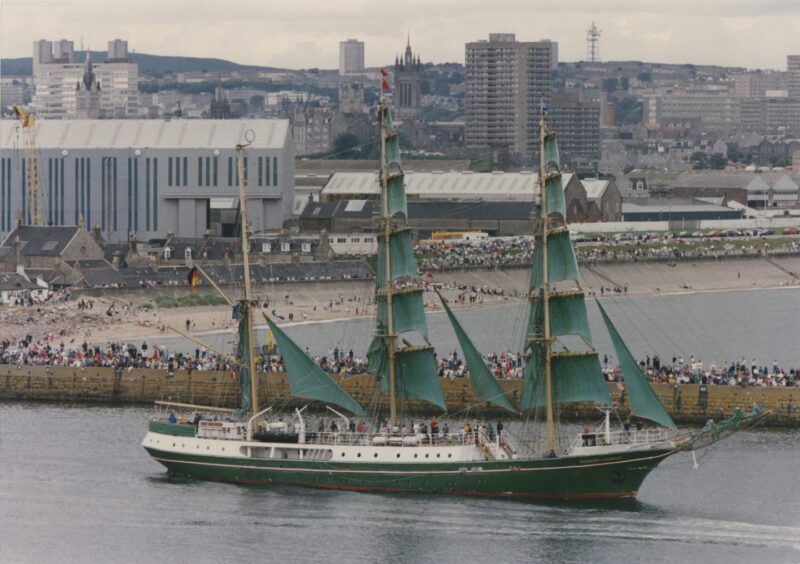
{"x": 436, "y": 256}
{"x": 502, "y": 365}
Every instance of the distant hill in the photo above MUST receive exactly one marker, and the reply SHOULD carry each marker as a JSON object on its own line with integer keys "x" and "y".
{"x": 148, "y": 64}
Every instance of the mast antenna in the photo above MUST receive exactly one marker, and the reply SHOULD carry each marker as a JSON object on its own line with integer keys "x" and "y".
{"x": 593, "y": 43}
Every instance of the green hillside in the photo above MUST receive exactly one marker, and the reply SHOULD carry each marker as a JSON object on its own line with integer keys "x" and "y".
{"x": 148, "y": 64}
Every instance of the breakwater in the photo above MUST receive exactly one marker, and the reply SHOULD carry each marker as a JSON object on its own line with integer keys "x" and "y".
{"x": 687, "y": 403}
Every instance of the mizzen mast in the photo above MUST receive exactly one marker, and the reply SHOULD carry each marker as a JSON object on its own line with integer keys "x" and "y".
{"x": 547, "y": 338}
{"x": 246, "y": 305}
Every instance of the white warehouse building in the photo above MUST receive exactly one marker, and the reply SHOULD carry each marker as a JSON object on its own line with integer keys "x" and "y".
{"x": 148, "y": 177}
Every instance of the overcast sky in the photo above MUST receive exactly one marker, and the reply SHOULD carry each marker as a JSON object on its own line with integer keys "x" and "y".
{"x": 306, "y": 33}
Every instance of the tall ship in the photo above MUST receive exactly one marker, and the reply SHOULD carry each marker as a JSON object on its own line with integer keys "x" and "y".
{"x": 535, "y": 457}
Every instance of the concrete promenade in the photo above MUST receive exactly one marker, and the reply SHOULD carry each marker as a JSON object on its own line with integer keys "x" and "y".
{"x": 687, "y": 403}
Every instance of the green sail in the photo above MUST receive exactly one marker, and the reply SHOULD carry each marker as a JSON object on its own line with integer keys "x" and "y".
{"x": 643, "y": 399}
{"x": 414, "y": 374}
{"x": 408, "y": 313}
{"x": 243, "y": 356}
{"x": 561, "y": 261}
{"x": 402, "y": 253}
{"x": 575, "y": 379}
{"x": 484, "y": 385}
{"x": 567, "y": 317}
{"x": 555, "y": 195}
{"x": 550, "y": 149}
{"x": 397, "y": 197}
{"x": 306, "y": 379}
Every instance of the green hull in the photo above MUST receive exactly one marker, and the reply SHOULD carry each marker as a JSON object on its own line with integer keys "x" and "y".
{"x": 586, "y": 477}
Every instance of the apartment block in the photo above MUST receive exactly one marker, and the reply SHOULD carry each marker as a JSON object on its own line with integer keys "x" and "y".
{"x": 506, "y": 83}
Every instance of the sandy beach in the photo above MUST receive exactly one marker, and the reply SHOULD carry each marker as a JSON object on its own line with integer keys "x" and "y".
{"x": 134, "y": 315}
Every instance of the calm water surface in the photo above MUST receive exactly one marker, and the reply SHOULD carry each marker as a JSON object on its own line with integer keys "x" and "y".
{"x": 75, "y": 486}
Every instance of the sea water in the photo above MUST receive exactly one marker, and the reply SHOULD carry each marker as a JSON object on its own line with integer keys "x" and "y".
{"x": 77, "y": 487}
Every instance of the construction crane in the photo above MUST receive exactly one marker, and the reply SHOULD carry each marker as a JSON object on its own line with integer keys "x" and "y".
{"x": 27, "y": 122}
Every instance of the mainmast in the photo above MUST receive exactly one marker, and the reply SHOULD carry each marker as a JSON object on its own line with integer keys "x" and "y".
{"x": 389, "y": 337}
{"x": 246, "y": 304}
{"x": 548, "y": 341}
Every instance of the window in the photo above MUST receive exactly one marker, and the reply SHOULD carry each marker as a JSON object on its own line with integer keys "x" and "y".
{"x": 341, "y": 239}
{"x": 260, "y": 171}
{"x": 274, "y": 171}
{"x": 230, "y": 171}
{"x": 199, "y": 171}
{"x": 267, "y": 171}
{"x": 185, "y": 171}
{"x": 355, "y": 240}
{"x": 169, "y": 171}
{"x": 306, "y": 247}
{"x": 177, "y": 171}
{"x": 215, "y": 171}
{"x": 266, "y": 247}
{"x": 286, "y": 247}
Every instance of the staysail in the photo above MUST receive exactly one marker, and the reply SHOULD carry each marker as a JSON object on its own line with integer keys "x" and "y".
{"x": 576, "y": 374}
{"x": 484, "y": 385}
{"x": 644, "y": 401}
{"x": 306, "y": 379}
{"x": 397, "y": 283}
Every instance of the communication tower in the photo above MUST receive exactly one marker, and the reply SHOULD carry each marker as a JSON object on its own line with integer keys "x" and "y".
{"x": 593, "y": 43}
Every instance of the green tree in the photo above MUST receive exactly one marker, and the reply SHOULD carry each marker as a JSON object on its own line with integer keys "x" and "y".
{"x": 610, "y": 84}
{"x": 257, "y": 103}
{"x": 699, "y": 160}
{"x": 624, "y": 83}
{"x": 717, "y": 161}
{"x": 644, "y": 76}
{"x": 345, "y": 146}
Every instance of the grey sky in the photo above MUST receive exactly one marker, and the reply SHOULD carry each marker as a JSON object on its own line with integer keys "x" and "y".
{"x": 306, "y": 33}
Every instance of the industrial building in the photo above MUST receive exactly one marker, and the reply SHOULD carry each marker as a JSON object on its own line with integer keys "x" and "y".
{"x": 147, "y": 177}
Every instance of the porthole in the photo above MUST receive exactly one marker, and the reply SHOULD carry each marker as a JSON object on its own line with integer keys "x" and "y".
{"x": 415, "y": 455}
{"x": 183, "y": 446}
{"x": 342, "y": 455}
{"x": 173, "y": 444}
{"x": 438, "y": 455}
{"x": 398, "y": 455}
{"x": 427, "y": 455}
{"x": 376, "y": 455}
{"x": 223, "y": 449}
{"x": 208, "y": 448}
{"x": 450, "y": 455}
{"x": 358, "y": 455}
{"x": 198, "y": 447}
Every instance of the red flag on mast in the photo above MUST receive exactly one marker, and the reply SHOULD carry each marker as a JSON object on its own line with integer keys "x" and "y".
{"x": 384, "y": 85}
{"x": 384, "y": 74}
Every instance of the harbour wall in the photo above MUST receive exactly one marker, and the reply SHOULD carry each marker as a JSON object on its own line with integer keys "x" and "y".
{"x": 687, "y": 403}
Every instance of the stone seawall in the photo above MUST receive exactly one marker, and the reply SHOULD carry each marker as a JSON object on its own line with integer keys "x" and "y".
{"x": 686, "y": 403}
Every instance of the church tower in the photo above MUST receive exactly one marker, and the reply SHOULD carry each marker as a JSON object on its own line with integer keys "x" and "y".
{"x": 407, "y": 98}
{"x": 87, "y": 93}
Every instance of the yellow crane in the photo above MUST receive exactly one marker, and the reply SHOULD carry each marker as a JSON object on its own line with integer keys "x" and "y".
{"x": 27, "y": 122}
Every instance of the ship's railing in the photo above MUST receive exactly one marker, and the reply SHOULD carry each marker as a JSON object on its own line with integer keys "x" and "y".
{"x": 395, "y": 439}
{"x": 624, "y": 437}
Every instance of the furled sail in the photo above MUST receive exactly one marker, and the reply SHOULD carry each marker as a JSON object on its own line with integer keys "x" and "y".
{"x": 397, "y": 281}
{"x": 484, "y": 385}
{"x": 306, "y": 379}
{"x": 643, "y": 399}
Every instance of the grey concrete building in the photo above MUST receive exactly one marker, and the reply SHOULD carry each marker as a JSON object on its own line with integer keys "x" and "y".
{"x": 793, "y": 72}
{"x": 148, "y": 177}
{"x": 577, "y": 125}
{"x": 505, "y": 84}
{"x": 351, "y": 57}
{"x": 57, "y": 80}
